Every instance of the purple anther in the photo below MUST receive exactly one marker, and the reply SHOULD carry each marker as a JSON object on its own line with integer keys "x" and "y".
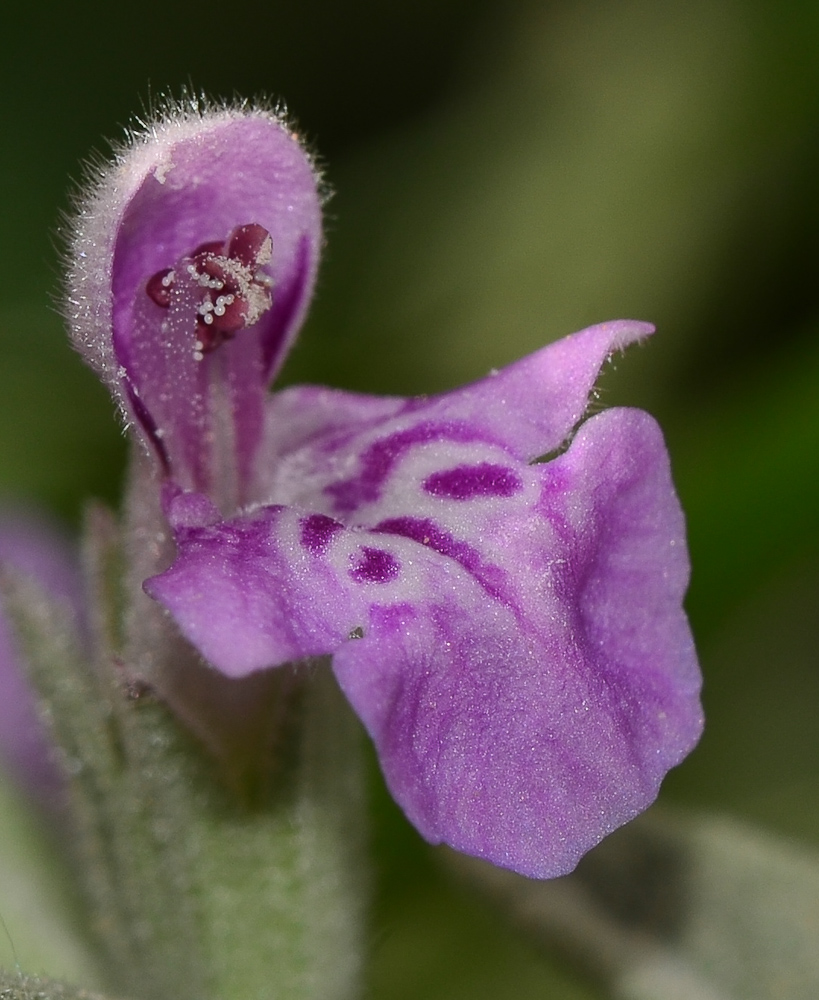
{"x": 234, "y": 293}
{"x": 212, "y": 247}
{"x": 251, "y": 245}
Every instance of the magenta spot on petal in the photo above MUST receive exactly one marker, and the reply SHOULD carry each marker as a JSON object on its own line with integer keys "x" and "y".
{"x": 376, "y": 566}
{"x": 379, "y": 459}
{"x": 428, "y": 533}
{"x": 316, "y": 532}
{"x": 425, "y": 531}
{"x": 468, "y": 481}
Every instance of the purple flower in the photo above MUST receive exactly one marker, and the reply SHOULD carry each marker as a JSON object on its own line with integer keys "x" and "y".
{"x": 34, "y": 550}
{"x": 509, "y": 631}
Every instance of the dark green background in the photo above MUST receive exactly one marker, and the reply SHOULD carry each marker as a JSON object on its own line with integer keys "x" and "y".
{"x": 506, "y": 172}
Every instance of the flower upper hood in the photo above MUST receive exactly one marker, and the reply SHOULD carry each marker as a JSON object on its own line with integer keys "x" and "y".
{"x": 509, "y": 630}
{"x": 176, "y": 189}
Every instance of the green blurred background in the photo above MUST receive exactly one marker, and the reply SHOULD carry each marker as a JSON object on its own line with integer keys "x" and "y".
{"x": 505, "y": 172}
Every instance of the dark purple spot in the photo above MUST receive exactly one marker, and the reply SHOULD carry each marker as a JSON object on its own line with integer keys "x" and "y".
{"x": 379, "y": 459}
{"x": 468, "y": 481}
{"x": 316, "y": 532}
{"x": 425, "y": 531}
{"x": 376, "y": 566}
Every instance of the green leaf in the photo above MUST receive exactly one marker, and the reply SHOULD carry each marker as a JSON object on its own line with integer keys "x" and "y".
{"x": 595, "y": 163}
{"x": 217, "y": 825}
{"x": 16, "y": 986}
{"x": 59, "y": 438}
{"x": 39, "y": 930}
{"x": 679, "y": 908}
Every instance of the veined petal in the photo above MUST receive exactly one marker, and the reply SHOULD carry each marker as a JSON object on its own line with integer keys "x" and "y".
{"x": 525, "y": 730}
{"x": 190, "y": 185}
{"x": 276, "y": 586}
{"x": 335, "y": 450}
{"x": 511, "y": 635}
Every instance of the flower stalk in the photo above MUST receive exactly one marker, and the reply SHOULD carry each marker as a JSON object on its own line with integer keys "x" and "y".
{"x": 242, "y": 877}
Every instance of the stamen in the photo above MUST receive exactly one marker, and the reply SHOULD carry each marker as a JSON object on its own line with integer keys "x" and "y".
{"x": 251, "y": 245}
{"x": 231, "y": 268}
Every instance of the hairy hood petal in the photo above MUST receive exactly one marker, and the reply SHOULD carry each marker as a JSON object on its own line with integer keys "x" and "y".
{"x": 171, "y": 214}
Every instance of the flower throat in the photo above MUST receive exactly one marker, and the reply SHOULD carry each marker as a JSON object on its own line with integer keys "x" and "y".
{"x": 235, "y": 292}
